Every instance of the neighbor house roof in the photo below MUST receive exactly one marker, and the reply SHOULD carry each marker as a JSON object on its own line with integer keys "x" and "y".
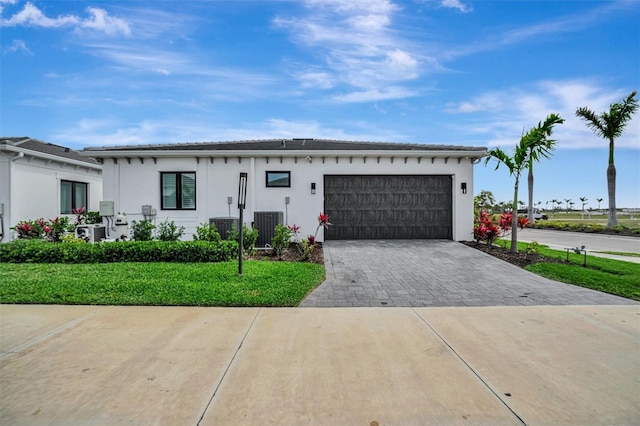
{"x": 282, "y": 145}
{"x": 35, "y": 147}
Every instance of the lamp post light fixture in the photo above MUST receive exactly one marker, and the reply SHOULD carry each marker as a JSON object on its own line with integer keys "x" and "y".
{"x": 242, "y": 200}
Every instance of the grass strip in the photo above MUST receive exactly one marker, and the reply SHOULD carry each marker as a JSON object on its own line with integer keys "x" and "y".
{"x": 620, "y": 253}
{"x": 607, "y": 275}
{"x": 160, "y": 284}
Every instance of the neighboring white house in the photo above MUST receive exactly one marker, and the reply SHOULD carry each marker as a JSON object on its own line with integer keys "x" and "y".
{"x": 43, "y": 180}
{"x": 368, "y": 189}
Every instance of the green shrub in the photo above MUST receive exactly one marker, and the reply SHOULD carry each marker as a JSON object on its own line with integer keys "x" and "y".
{"x": 207, "y": 232}
{"x": 281, "y": 239}
{"x": 169, "y": 231}
{"x": 36, "y": 251}
{"x": 93, "y": 217}
{"x": 142, "y": 230}
{"x": 249, "y": 238}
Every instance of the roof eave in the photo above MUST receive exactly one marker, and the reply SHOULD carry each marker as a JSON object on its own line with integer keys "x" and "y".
{"x": 51, "y": 157}
{"x": 480, "y": 152}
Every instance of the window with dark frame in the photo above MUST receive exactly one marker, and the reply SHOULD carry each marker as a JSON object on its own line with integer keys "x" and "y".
{"x": 278, "y": 179}
{"x": 178, "y": 190}
{"x": 73, "y": 195}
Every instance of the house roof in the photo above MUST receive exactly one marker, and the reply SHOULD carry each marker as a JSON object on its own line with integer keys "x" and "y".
{"x": 285, "y": 145}
{"x": 22, "y": 144}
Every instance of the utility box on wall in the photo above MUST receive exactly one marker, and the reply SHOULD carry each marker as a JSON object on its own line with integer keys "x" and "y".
{"x": 265, "y": 223}
{"x": 224, "y": 225}
{"x": 107, "y": 208}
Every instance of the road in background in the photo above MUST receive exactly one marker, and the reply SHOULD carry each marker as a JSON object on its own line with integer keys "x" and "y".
{"x": 594, "y": 243}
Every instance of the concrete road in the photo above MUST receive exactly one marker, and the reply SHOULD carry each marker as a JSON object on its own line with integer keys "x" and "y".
{"x": 594, "y": 243}
{"x": 88, "y": 365}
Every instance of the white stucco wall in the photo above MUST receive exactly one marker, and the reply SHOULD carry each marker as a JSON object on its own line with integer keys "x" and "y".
{"x": 131, "y": 184}
{"x": 30, "y": 188}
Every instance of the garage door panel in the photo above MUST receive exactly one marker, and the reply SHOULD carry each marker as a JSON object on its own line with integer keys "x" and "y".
{"x": 384, "y": 207}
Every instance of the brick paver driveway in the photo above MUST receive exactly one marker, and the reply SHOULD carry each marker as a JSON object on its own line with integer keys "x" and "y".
{"x": 435, "y": 273}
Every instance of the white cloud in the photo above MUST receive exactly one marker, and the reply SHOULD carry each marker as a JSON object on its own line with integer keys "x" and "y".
{"x": 99, "y": 19}
{"x": 372, "y": 95}
{"x": 30, "y": 15}
{"x": 17, "y": 46}
{"x": 355, "y": 45}
{"x": 319, "y": 79}
{"x": 503, "y": 115}
{"x": 456, "y": 4}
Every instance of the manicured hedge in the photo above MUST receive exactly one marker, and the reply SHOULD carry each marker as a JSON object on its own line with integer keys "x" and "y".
{"x": 36, "y": 251}
{"x": 582, "y": 227}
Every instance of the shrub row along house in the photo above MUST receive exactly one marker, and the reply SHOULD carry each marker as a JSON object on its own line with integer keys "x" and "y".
{"x": 369, "y": 190}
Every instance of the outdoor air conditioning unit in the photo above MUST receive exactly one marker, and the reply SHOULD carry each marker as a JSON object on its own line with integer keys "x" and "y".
{"x": 91, "y": 233}
{"x": 265, "y": 223}
{"x": 224, "y": 225}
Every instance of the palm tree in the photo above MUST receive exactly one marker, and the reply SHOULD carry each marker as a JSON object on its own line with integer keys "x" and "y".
{"x": 554, "y": 201}
{"x": 559, "y": 203}
{"x": 485, "y": 200}
{"x": 584, "y": 202}
{"x": 599, "y": 200}
{"x": 610, "y": 125}
{"x": 567, "y": 201}
{"x": 533, "y": 146}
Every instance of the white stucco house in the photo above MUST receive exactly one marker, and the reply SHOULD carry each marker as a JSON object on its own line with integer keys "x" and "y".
{"x": 43, "y": 180}
{"x": 369, "y": 190}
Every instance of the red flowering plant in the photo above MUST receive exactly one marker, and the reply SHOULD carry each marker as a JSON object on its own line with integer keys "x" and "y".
{"x": 29, "y": 229}
{"x": 485, "y": 230}
{"x": 323, "y": 221}
{"x": 79, "y": 212}
{"x": 305, "y": 246}
{"x": 295, "y": 229}
{"x": 49, "y": 230}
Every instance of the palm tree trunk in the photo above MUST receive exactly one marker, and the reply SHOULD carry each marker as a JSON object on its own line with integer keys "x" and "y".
{"x": 530, "y": 182}
{"x": 514, "y": 218}
{"x": 611, "y": 186}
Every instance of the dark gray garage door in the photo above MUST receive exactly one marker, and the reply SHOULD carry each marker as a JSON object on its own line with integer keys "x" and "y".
{"x": 388, "y": 207}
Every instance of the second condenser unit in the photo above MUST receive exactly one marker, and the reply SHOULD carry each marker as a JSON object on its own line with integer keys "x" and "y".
{"x": 265, "y": 223}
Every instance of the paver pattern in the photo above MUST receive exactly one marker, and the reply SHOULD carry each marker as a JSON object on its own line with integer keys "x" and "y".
{"x": 422, "y": 273}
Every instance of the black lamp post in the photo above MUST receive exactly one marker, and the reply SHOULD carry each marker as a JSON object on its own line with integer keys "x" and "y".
{"x": 242, "y": 199}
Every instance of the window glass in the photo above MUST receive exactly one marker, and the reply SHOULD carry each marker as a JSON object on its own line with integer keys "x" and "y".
{"x": 169, "y": 193}
{"x": 188, "y": 190}
{"x": 73, "y": 195}
{"x": 178, "y": 190}
{"x": 79, "y": 195}
{"x": 66, "y": 195}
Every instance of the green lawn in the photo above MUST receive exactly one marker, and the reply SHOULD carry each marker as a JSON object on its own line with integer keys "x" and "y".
{"x": 607, "y": 275}
{"x": 189, "y": 284}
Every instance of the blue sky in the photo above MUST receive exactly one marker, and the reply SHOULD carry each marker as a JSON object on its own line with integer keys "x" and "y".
{"x": 97, "y": 73}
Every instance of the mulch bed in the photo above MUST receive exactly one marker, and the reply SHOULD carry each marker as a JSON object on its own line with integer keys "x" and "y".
{"x": 520, "y": 259}
{"x": 292, "y": 254}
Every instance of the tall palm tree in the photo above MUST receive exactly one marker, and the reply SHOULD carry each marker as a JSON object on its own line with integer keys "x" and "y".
{"x": 567, "y": 201}
{"x": 533, "y": 146}
{"x": 599, "y": 200}
{"x": 610, "y": 125}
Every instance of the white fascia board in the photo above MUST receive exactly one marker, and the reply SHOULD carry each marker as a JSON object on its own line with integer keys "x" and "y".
{"x": 288, "y": 153}
{"x": 57, "y": 158}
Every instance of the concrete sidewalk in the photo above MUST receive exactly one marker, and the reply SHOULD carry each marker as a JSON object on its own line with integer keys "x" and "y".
{"x": 370, "y": 366}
